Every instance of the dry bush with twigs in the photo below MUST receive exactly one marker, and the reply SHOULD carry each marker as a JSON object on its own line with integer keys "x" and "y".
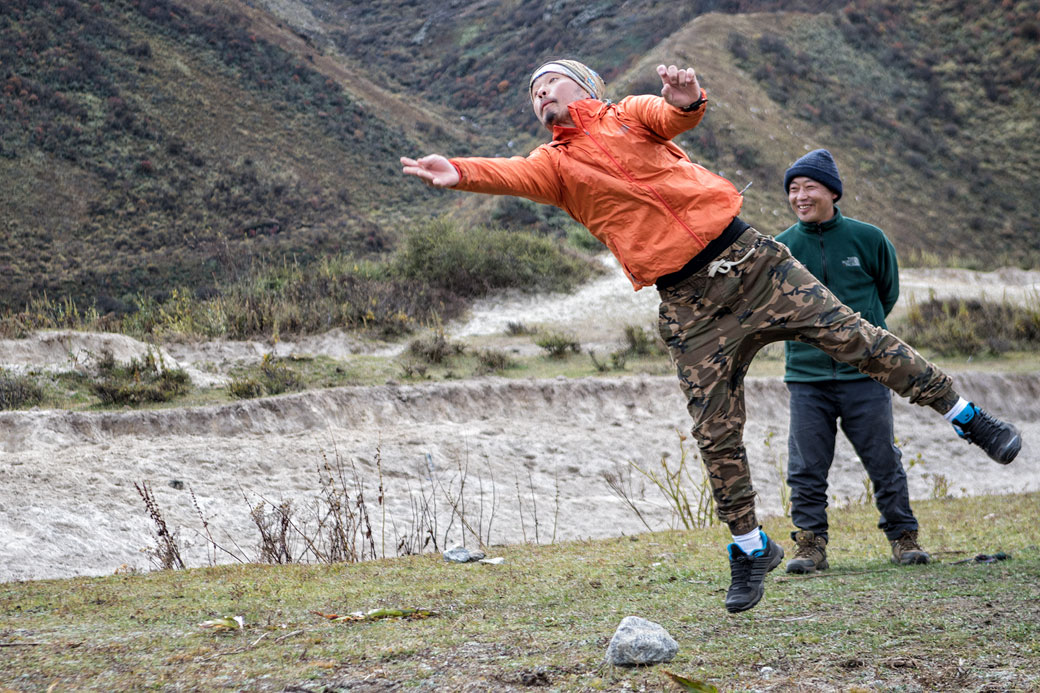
{"x": 349, "y": 521}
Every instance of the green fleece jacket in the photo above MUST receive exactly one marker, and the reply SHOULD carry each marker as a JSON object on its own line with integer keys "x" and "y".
{"x": 858, "y": 263}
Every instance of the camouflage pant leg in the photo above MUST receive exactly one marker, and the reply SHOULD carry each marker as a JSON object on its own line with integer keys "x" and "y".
{"x": 713, "y": 327}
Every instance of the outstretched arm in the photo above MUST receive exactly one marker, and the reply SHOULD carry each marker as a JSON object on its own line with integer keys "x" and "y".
{"x": 434, "y": 169}
{"x": 679, "y": 87}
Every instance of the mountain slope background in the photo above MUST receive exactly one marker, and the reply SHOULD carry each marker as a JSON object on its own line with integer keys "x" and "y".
{"x": 147, "y": 145}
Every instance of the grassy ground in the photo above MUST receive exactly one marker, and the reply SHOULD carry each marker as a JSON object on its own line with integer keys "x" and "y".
{"x": 544, "y": 617}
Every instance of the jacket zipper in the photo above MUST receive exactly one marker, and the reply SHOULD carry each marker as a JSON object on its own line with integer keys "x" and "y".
{"x": 823, "y": 264}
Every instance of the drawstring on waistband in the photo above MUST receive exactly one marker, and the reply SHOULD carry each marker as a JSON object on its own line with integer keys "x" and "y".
{"x": 724, "y": 266}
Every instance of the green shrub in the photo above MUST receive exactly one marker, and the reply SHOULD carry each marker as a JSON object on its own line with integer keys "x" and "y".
{"x": 517, "y": 329}
{"x": 493, "y": 361}
{"x": 558, "y": 345}
{"x": 18, "y": 391}
{"x": 139, "y": 381}
{"x": 435, "y": 349}
{"x": 272, "y": 377}
{"x": 642, "y": 342}
{"x": 278, "y": 377}
{"x": 473, "y": 261}
{"x": 959, "y": 326}
{"x": 245, "y": 387}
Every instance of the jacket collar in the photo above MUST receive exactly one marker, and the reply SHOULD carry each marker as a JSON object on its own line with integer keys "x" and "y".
{"x": 824, "y": 226}
{"x": 581, "y": 112}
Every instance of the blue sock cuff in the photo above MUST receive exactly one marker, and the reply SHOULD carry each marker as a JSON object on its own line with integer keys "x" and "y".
{"x": 734, "y": 547}
{"x": 966, "y": 415}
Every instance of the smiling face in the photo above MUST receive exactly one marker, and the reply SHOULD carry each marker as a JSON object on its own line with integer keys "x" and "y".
{"x": 811, "y": 200}
{"x": 551, "y": 94}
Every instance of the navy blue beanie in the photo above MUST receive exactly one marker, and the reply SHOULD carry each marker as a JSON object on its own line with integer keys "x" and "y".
{"x": 818, "y": 165}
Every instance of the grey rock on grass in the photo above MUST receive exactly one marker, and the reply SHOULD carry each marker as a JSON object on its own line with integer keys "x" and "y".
{"x": 639, "y": 641}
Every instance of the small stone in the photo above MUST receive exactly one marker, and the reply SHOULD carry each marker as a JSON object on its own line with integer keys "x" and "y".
{"x": 460, "y": 554}
{"x": 639, "y": 641}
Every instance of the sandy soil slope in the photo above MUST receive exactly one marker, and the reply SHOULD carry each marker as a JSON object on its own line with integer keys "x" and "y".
{"x": 532, "y": 453}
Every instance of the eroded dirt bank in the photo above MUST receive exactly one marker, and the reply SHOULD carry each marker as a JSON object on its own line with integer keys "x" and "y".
{"x": 533, "y": 455}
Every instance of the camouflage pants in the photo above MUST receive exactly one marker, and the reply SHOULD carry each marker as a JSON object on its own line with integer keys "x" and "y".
{"x": 714, "y": 326}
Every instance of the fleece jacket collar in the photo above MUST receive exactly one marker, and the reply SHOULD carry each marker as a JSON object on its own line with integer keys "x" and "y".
{"x": 823, "y": 226}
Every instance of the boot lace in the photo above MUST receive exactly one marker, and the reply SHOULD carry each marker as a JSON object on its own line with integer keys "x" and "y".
{"x": 907, "y": 541}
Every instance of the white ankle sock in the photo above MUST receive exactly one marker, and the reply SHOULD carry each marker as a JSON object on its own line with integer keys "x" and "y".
{"x": 956, "y": 409}
{"x": 752, "y": 541}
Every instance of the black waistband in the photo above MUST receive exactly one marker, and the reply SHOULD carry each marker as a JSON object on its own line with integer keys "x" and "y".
{"x": 710, "y": 252}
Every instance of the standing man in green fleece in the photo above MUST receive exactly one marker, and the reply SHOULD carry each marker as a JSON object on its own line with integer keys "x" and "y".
{"x": 858, "y": 264}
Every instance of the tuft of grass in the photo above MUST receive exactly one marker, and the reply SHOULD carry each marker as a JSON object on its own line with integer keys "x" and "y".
{"x": 18, "y": 391}
{"x": 493, "y": 361}
{"x": 972, "y": 327}
{"x": 139, "y": 381}
{"x": 435, "y": 349}
{"x": 272, "y": 376}
{"x": 548, "y": 611}
{"x": 557, "y": 345}
{"x": 640, "y": 341}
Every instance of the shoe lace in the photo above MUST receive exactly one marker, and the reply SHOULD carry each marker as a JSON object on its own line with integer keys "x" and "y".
{"x": 740, "y": 568}
{"x": 806, "y": 547}
{"x": 907, "y": 541}
{"x": 983, "y": 429}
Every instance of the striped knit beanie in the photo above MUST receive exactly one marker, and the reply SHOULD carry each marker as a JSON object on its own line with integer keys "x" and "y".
{"x": 585, "y": 76}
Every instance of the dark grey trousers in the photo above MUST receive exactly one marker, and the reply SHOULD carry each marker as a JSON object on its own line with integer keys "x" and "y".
{"x": 864, "y": 410}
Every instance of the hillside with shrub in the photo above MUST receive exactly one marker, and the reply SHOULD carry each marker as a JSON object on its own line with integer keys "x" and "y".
{"x": 148, "y": 146}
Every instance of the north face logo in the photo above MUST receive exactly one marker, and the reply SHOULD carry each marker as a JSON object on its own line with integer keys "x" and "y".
{"x": 851, "y": 261}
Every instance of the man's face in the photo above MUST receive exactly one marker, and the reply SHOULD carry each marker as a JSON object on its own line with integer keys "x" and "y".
{"x": 811, "y": 200}
{"x": 551, "y": 93}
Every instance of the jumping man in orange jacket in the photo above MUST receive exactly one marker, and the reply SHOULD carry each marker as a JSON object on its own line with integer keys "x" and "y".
{"x": 726, "y": 290}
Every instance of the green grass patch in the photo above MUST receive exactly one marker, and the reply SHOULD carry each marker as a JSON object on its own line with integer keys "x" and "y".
{"x": 18, "y": 391}
{"x": 548, "y": 612}
{"x": 139, "y": 381}
{"x": 474, "y": 261}
{"x": 972, "y": 327}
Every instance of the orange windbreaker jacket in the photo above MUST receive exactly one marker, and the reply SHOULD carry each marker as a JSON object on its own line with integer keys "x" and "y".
{"x": 619, "y": 174}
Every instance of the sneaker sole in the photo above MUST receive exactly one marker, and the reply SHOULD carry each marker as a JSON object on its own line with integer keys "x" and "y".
{"x": 793, "y": 567}
{"x": 1010, "y": 451}
{"x": 916, "y": 560}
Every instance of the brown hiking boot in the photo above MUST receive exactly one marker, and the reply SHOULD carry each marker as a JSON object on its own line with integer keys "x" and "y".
{"x": 810, "y": 554}
{"x": 906, "y": 550}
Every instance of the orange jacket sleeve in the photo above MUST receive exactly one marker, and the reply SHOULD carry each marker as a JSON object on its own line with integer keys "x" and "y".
{"x": 660, "y": 117}
{"x": 533, "y": 176}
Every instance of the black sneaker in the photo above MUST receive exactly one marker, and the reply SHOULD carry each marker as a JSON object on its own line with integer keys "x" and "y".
{"x": 748, "y": 573}
{"x": 1000, "y": 440}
